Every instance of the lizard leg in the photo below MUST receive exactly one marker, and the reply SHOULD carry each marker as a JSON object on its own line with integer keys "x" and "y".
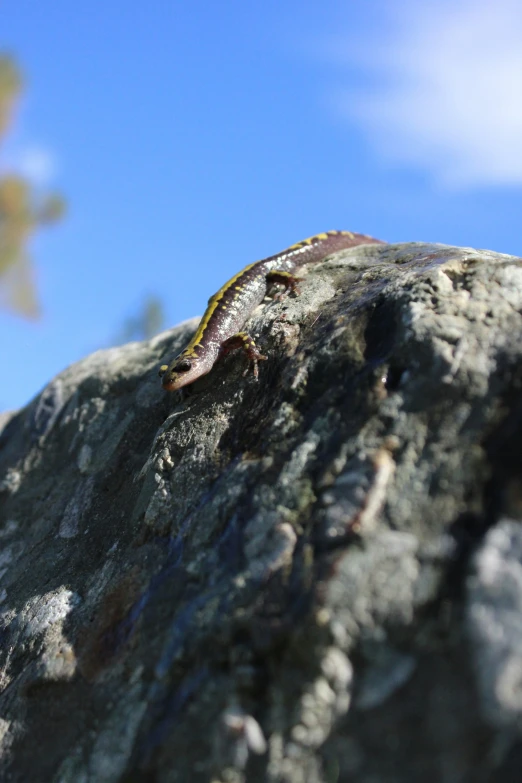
{"x": 286, "y": 279}
{"x": 244, "y": 341}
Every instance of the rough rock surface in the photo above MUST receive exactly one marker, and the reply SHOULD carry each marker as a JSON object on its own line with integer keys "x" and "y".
{"x": 312, "y": 577}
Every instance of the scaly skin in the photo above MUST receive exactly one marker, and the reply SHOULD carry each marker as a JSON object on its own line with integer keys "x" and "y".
{"x": 220, "y": 329}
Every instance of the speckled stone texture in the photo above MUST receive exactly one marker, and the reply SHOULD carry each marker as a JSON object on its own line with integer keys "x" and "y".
{"x": 312, "y": 578}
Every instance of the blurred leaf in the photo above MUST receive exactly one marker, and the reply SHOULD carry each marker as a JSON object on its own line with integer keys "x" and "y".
{"x": 53, "y": 208}
{"x": 11, "y": 83}
{"x": 18, "y": 290}
{"x": 22, "y": 212}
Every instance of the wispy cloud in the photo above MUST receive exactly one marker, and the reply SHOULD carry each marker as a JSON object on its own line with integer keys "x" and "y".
{"x": 37, "y": 164}
{"x": 445, "y": 89}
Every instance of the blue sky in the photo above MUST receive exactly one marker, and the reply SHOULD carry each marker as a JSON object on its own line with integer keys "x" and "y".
{"x": 193, "y": 138}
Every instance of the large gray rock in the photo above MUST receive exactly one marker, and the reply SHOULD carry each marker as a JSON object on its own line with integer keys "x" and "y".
{"x": 312, "y": 577}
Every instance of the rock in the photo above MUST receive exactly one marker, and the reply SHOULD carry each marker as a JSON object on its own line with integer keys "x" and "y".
{"x": 313, "y": 577}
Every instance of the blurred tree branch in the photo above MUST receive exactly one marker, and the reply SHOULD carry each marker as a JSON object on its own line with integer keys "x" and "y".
{"x": 148, "y": 321}
{"x": 22, "y": 211}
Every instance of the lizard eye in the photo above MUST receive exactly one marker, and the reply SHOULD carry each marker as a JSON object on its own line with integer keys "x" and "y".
{"x": 162, "y": 370}
{"x": 184, "y": 366}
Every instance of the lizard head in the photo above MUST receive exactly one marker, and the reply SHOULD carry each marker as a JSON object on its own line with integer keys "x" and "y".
{"x": 180, "y": 372}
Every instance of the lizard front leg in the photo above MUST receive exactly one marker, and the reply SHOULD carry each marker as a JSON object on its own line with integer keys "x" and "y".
{"x": 244, "y": 341}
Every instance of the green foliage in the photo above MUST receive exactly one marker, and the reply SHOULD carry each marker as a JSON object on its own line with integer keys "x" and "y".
{"x": 10, "y": 87}
{"x": 22, "y": 211}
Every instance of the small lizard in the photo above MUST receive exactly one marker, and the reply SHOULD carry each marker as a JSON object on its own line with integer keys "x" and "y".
{"x": 219, "y": 331}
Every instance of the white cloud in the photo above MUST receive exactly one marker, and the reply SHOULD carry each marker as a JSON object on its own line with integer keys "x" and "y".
{"x": 37, "y": 164}
{"x": 447, "y": 89}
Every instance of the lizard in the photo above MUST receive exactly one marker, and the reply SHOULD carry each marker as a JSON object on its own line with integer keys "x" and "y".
{"x": 220, "y": 329}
